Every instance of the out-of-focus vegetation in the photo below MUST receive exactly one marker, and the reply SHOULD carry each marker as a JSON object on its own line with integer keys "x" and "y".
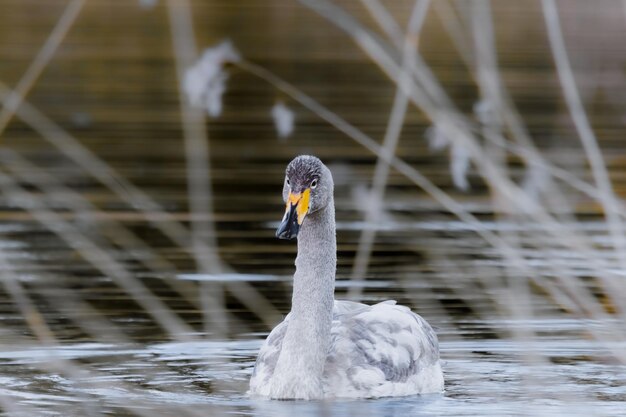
{"x": 477, "y": 149}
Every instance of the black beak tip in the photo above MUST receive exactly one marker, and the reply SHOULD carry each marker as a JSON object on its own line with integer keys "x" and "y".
{"x": 282, "y": 234}
{"x": 289, "y": 227}
{"x": 285, "y": 233}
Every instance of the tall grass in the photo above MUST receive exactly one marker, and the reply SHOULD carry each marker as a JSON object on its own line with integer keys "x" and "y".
{"x": 533, "y": 238}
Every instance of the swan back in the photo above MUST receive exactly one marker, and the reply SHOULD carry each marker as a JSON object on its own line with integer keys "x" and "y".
{"x": 375, "y": 351}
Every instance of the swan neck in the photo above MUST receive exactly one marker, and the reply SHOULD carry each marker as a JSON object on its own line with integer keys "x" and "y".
{"x": 300, "y": 367}
{"x": 316, "y": 263}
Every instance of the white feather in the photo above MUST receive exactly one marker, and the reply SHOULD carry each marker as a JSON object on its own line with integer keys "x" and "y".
{"x": 436, "y": 137}
{"x": 535, "y": 180}
{"x": 484, "y": 111}
{"x": 283, "y": 120}
{"x": 205, "y": 81}
{"x": 459, "y": 164}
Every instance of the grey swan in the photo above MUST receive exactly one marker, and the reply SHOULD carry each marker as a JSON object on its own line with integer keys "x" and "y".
{"x": 326, "y": 348}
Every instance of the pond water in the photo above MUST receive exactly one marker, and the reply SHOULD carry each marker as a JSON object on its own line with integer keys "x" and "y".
{"x": 490, "y": 368}
{"x": 547, "y": 363}
{"x": 483, "y": 377}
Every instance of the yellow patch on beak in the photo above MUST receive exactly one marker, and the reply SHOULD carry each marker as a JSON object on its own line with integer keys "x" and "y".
{"x": 301, "y": 201}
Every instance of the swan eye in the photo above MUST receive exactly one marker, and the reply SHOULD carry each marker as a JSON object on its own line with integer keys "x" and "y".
{"x": 288, "y": 183}
{"x": 314, "y": 183}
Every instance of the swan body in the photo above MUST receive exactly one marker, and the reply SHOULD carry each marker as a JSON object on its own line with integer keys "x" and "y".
{"x": 337, "y": 349}
{"x": 383, "y": 350}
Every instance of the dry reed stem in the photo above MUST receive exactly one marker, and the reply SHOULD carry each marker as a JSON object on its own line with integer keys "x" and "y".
{"x": 204, "y": 241}
{"x": 608, "y": 199}
{"x": 385, "y": 19}
{"x": 523, "y": 145}
{"x": 121, "y": 235}
{"x": 98, "y": 257}
{"x": 34, "y": 319}
{"x": 40, "y": 61}
{"x": 196, "y": 142}
{"x": 490, "y": 86}
{"x": 387, "y": 23}
{"x": 390, "y": 143}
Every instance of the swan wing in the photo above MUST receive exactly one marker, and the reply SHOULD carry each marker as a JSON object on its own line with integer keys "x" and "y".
{"x": 267, "y": 358}
{"x": 376, "y": 351}
{"x": 381, "y": 350}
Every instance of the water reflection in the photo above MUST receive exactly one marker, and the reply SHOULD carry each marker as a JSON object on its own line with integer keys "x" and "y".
{"x": 387, "y": 407}
{"x": 483, "y": 377}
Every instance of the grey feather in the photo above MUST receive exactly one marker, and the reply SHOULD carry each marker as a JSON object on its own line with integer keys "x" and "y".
{"x": 326, "y": 348}
{"x": 360, "y": 340}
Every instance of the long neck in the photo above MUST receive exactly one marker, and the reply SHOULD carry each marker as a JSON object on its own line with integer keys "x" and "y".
{"x": 305, "y": 346}
{"x": 314, "y": 280}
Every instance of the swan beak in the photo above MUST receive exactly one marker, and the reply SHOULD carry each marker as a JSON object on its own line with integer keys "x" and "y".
{"x": 297, "y": 209}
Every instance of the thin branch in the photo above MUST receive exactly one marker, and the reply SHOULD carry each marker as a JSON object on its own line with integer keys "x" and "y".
{"x": 196, "y": 142}
{"x": 42, "y": 59}
{"x": 384, "y": 19}
{"x": 490, "y": 86}
{"x": 589, "y": 141}
{"x": 392, "y": 137}
{"x": 56, "y": 191}
{"x": 27, "y": 308}
{"x": 98, "y": 257}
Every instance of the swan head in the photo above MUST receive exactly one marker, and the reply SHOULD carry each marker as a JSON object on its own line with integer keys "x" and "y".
{"x": 307, "y": 188}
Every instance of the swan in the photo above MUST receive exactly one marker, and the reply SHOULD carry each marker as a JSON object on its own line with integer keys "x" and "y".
{"x": 337, "y": 349}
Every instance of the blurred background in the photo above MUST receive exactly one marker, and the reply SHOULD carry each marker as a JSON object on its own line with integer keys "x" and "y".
{"x": 478, "y": 155}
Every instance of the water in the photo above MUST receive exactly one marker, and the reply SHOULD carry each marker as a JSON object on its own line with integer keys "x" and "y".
{"x": 491, "y": 365}
{"x": 544, "y": 364}
{"x": 483, "y": 377}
